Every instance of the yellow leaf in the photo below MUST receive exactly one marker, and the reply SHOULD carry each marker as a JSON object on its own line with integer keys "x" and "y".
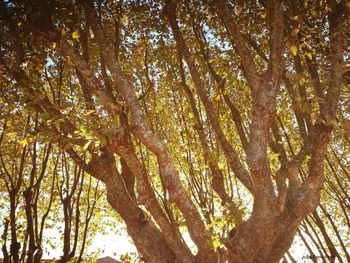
{"x": 302, "y": 81}
{"x": 295, "y": 32}
{"x": 123, "y": 20}
{"x": 264, "y": 40}
{"x": 217, "y": 98}
{"x": 86, "y": 146}
{"x": 309, "y": 55}
{"x": 328, "y": 9}
{"x": 89, "y": 112}
{"x": 221, "y": 165}
{"x": 11, "y": 135}
{"x": 70, "y": 42}
{"x": 75, "y": 34}
{"x": 39, "y": 67}
{"x": 315, "y": 14}
{"x": 293, "y": 49}
{"x": 158, "y": 108}
{"x": 216, "y": 243}
{"x": 263, "y": 14}
{"x": 23, "y": 143}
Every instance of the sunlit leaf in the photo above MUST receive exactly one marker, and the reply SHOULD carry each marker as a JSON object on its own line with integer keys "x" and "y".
{"x": 293, "y": 49}
{"x": 75, "y": 34}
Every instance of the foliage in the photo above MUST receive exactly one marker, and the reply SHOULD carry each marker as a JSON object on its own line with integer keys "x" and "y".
{"x": 217, "y": 120}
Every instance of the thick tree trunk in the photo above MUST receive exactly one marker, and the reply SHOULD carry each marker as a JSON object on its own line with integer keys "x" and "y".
{"x": 146, "y": 236}
{"x": 277, "y": 211}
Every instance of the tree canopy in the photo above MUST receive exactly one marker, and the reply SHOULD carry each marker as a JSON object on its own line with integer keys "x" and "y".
{"x": 225, "y": 120}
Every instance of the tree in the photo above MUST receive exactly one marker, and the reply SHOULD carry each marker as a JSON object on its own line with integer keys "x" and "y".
{"x": 32, "y": 178}
{"x": 187, "y": 110}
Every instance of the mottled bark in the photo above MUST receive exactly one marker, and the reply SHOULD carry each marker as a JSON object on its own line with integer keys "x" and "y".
{"x": 146, "y": 236}
{"x": 278, "y": 210}
{"x": 140, "y": 128}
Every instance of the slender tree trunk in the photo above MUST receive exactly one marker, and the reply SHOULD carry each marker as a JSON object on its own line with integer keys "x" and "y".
{"x": 15, "y": 245}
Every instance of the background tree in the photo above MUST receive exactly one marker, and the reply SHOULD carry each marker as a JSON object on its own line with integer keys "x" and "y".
{"x": 32, "y": 169}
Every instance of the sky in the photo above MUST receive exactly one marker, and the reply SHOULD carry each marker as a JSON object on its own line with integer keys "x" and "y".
{"x": 117, "y": 244}
{"x": 112, "y": 244}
